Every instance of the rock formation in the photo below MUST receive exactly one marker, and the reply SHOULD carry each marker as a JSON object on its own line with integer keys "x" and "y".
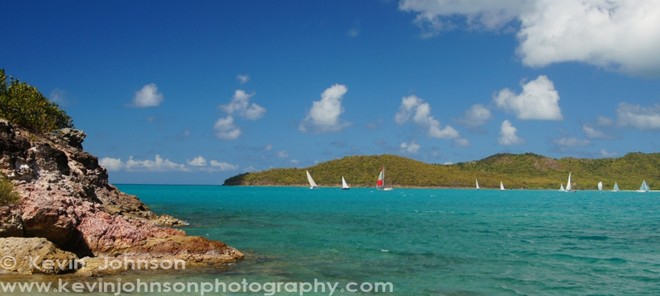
{"x": 67, "y": 200}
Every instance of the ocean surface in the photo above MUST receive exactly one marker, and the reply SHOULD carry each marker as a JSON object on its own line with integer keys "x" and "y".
{"x": 424, "y": 241}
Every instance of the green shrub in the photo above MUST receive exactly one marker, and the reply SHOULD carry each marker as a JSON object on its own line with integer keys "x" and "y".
{"x": 7, "y": 194}
{"x": 24, "y": 105}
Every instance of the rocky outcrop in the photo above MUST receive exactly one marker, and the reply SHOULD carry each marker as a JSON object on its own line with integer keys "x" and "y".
{"x": 34, "y": 256}
{"x": 67, "y": 200}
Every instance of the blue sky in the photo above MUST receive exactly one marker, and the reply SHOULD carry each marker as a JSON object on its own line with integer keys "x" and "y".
{"x": 197, "y": 91}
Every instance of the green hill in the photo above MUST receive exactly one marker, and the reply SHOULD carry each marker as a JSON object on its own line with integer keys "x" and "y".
{"x": 515, "y": 170}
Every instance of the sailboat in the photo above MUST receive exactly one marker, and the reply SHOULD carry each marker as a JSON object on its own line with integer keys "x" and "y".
{"x": 344, "y": 185}
{"x": 569, "y": 186}
{"x": 644, "y": 187}
{"x": 380, "y": 183}
{"x": 561, "y": 188}
{"x": 600, "y": 186}
{"x": 312, "y": 184}
{"x": 501, "y": 186}
{"x": 615, "y": 188}
{"x": 476, "y": 183}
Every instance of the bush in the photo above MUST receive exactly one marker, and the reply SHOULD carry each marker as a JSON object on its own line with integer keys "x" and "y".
{"x": 7, "y": 194}
{"x": 24, "y": 105}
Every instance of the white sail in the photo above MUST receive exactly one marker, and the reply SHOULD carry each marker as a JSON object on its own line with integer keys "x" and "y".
{"x": 600, "y": 186}
{"x": 561, "y": 188}
{"x": 312, "y": 184}
{"x": 344, "y": 185}
{"x": 616, "y": 187}
{"x": 476, "y": 183}
{"x": 380, "y": 184}
{"x": 501, "y": 186}
{"x": 644, "y": 187}
{"x": 569, "y": 186}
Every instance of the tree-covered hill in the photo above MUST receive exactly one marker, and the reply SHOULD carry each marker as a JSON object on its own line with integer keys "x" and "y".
{"x": 514, "y": 170}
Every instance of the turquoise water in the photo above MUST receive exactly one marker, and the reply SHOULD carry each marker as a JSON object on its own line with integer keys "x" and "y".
{"x": 431, "y": 241}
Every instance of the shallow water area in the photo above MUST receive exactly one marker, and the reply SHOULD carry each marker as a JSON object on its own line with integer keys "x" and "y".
{"x": 421, "y": 241}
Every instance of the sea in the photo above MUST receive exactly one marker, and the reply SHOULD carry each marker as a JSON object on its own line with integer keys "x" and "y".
{"x": 362, "y": 241}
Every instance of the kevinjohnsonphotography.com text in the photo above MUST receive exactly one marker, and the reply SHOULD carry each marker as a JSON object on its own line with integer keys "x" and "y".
{"x": 212, "y": 287}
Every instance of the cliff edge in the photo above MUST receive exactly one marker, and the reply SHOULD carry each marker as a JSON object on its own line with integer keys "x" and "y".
{"x": 65, "y": 198}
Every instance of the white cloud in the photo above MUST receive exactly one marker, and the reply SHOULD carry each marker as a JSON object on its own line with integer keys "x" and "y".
{"x": 324, "y": 114}
{"x": 604, "y": 121}
{"x": 282, "y": 154}
{"x": 593, "y": 133}
{"x": 476, "y": 116}
{"x": 225, "y": 128}
{"x": 572, "y": 142}
{"x": 636, "y": 116}
{"x": 240, "y": 105}
{"x": 411, "y": 147}
{"x": 354, "y": 32}
{"x": 508, "y": 134}
{"x": 622, "y": 34}
{"x": 419, "y": 111}
{"x": 111, "y": 164}
{"x": 618, "y": 34}
{"x": 198, "y": 161}
{"x": 268, "y": 147}
{"x": 441, "y": 15}
{"x": 158, "y": 164}
{"x": 538, "y": 100}
{"x": 223, "y": 166}
{"x": 147, "y": 96}
{"x": 243, "y": 78}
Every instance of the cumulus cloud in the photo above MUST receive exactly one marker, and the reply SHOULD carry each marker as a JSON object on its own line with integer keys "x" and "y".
{"x": 508, "y": 134}
{"x": 617, "y": 34}
{"x": 593, "y": 133}
{"x": 111, "y": 164}
{"x": 441, "y": 15}
{"x": 538, "y": 100}
{"x": 419, "y": 111}
{"x": 240, "y": 105}
{"x": 605, "y": 153}
{"x": 147, "y": 96}
{"x": 225, "y": 129}
{"x": 639, "y": 117}
{"x": 160, "y": 164}
{"x": 243, "y": 78}
{"x": 324, "y": 114}
{"x": 476, "y": 116}
{"x": 411, "y": 147}
{"x": 222, "y": 166}
{"x": 462, "y": 142}
{"x": 198, "y": 161}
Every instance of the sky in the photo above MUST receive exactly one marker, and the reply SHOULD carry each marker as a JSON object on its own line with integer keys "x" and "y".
{"x": 193, "y": 92}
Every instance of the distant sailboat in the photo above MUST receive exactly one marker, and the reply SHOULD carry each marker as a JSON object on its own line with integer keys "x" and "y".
{"x": 600, "y": 186}
{"x": 501, "y": 186}
{"x": 615, "y": 188}
{"x": 644, "y": 187}
{"x": 561, "y": 188}
{"x": 344, "y": 185}
{"x": 569, "y": 186}
{"x": 380, "y": 183}
{"x": 476, "y": 183}
{"x": 312, "y": 184}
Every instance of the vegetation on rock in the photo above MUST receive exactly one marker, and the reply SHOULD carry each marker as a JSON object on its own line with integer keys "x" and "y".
{"x": 24, "y": 105}
{"x": 7, "y": 193}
